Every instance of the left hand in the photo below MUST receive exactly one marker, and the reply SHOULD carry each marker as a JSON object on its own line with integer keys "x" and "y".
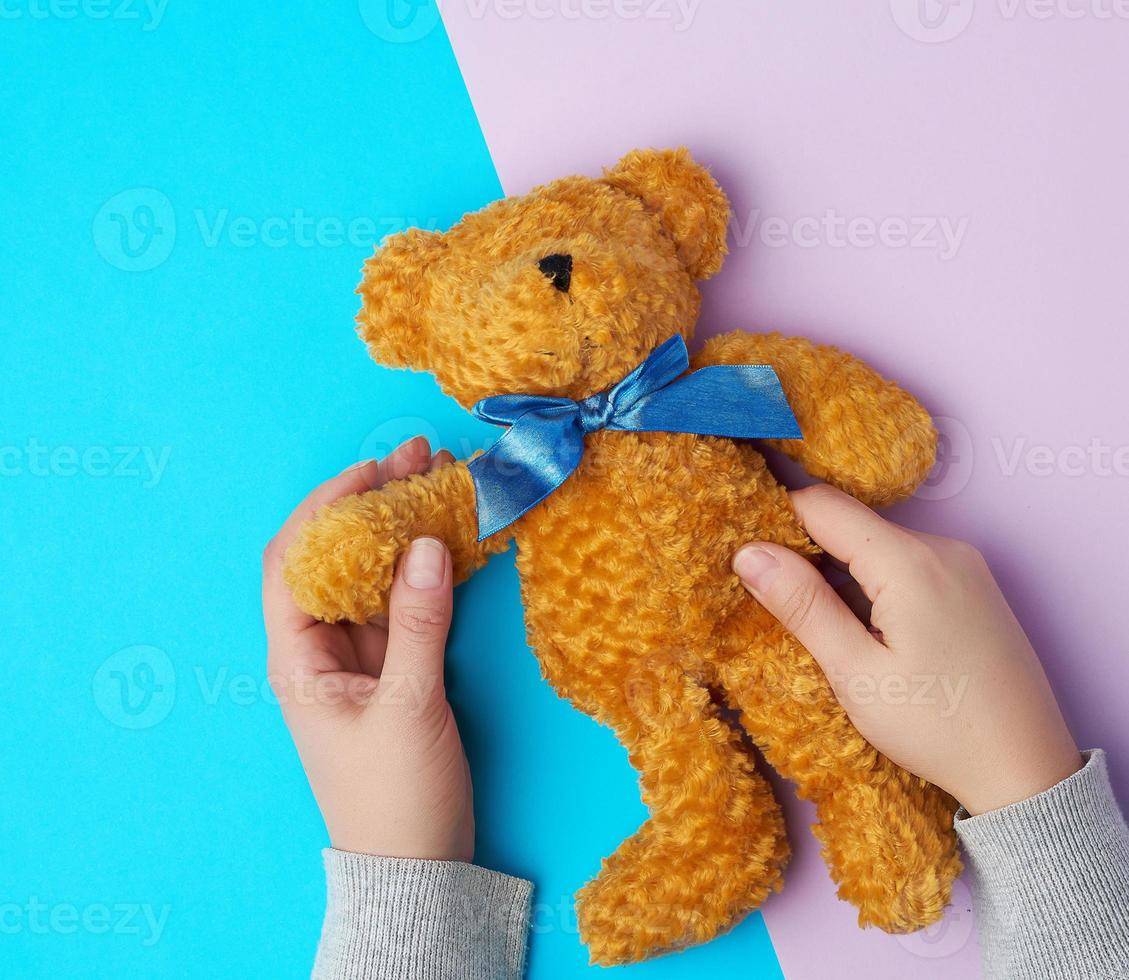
{"x": 365, "y": 704}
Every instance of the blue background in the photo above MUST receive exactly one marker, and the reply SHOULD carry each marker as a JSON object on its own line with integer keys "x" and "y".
{"x": 144, "y": 765}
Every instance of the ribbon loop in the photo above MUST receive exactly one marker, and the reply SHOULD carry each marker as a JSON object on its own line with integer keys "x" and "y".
{"x": 545, "y": 440}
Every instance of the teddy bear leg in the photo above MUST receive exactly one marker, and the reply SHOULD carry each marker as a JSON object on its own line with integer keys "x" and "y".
{"x": 714, "y": 846}
{"x": 887, "y": 835}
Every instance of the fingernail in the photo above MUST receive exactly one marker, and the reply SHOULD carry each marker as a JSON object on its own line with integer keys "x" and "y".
{"x": 756, "y": 567}
{"x": 362, "y": 688}
{"x": 417, "y": 442}
{"x": 403, "y": 460}
{"x": 357, "y": 466}
{"x": 425, "y": 564}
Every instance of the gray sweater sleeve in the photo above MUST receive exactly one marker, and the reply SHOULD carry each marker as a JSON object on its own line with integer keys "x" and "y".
{"x": 1050, "y": 878}
{"x": 402, "y": 919}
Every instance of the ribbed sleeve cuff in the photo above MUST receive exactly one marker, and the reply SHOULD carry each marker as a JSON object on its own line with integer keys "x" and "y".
{"x": 1051, "y": 879}
{"x": 404, "y": 919}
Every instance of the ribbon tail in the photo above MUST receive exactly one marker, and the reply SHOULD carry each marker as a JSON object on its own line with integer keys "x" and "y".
{"x": 736, "y": 401}
{"x": 530, "y": 460}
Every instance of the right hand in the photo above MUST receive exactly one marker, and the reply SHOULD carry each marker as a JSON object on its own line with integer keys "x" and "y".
{"x": 943, "y": 682}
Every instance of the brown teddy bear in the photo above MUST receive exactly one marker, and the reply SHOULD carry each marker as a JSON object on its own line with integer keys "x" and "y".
{"x": 631, "y": 606}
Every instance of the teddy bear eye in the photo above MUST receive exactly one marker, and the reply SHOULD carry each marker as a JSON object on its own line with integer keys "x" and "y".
{"x": 558, "y": 269}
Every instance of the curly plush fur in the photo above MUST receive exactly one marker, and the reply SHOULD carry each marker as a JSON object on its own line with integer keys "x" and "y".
{"x": 631, "y": 606}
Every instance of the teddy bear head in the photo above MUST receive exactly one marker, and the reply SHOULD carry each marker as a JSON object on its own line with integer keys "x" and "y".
{"x": 560, "y": 292}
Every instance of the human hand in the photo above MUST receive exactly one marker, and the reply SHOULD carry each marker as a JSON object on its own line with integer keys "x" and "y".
{"x": 943, "y": 682}
{"x": 365, "y": 704}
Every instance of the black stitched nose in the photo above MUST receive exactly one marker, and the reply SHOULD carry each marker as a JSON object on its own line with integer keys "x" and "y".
{"x": 559, "y": 270}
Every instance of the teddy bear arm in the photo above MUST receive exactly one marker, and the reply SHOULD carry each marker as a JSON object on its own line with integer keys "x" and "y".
{"x": 861, "y": 432}
{"x": 341, "y": 565}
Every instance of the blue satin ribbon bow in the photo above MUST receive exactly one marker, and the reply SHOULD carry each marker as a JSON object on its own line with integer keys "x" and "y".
{"x": 545, "y": 439}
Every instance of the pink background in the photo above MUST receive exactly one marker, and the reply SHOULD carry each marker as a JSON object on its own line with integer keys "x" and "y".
{"x": 1016, "y": 129}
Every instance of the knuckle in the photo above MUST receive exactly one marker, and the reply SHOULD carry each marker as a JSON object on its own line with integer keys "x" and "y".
{"x": 800, "y": 607}
{"x": 963, "y": 554}
{"x": 817, "y": 493}
{"x": 920, "y": 558}
{"x": 420, "y": 621}
{"x": 271, "y": 552}
{"x": 812, "y": 499}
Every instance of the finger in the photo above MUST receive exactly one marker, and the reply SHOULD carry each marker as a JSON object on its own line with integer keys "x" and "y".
{"x": 440, "y": 459}
{"x": 411, "y": 457}
{"x": 873, "y": 548}
{"x": 419, "y": 615}
{"x": 279, "y": 610}
{"x": 792, "y": 589}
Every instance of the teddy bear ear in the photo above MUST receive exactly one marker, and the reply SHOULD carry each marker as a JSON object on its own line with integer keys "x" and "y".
{"x": 395, "y": 292}
{"x": 692, "y": 207}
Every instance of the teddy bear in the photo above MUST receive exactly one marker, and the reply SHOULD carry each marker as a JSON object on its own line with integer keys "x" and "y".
{"x": 631, "y": 605}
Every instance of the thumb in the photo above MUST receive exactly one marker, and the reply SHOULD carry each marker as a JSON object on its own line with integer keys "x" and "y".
{"x": 792, "y": 589}
{"x": 419, "y": 616}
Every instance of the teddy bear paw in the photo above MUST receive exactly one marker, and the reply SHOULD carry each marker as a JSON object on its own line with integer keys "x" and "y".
{"x": 340, "y": 567}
